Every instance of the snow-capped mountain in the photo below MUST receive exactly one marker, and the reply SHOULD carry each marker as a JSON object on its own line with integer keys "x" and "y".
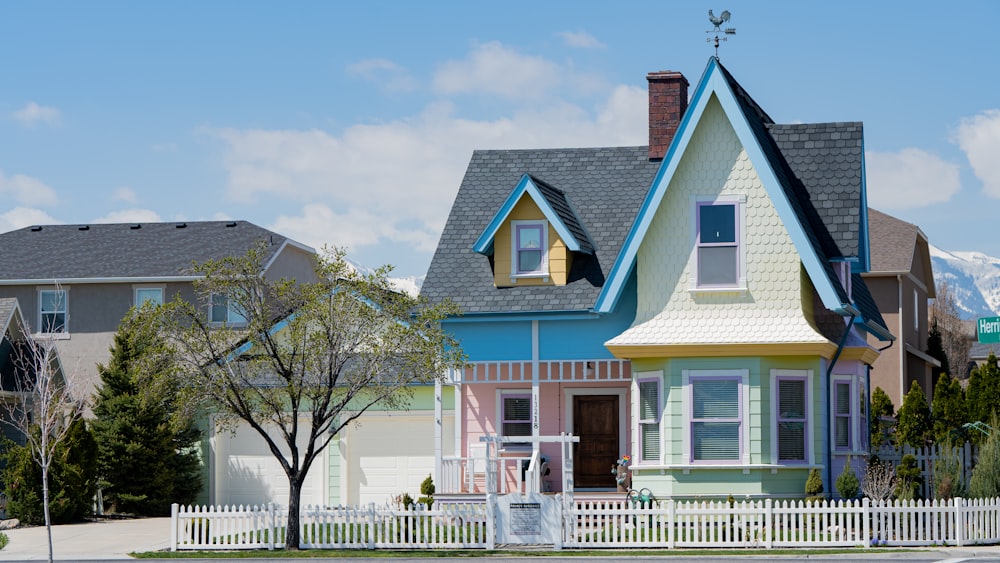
{"x": 972, "y": 277}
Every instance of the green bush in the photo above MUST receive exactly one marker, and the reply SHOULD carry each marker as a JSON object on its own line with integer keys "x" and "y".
{"x": 427, "y": 492}
{"x": 4, "y": 540}
{"x": 814, "y": 484}
{"x": 72, "y": 480}
{"x": 908, "y": 478}
{"x": 985, "y": 480}
{"x": 848, "y": 484}
{"x": 948, "y": 472}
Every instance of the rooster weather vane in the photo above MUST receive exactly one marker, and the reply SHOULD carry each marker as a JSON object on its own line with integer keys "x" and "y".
{"x": 717, "y": 21}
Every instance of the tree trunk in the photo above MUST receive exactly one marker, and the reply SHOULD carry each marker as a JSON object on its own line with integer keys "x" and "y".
{"x": 292, "y": 537}
{"x": 45, "y": 506}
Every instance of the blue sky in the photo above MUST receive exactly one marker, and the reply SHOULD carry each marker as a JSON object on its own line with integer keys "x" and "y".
{"x": 351, "y": 123}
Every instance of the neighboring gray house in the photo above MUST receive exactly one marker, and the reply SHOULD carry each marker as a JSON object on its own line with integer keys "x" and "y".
{"x": 79, "y": 281}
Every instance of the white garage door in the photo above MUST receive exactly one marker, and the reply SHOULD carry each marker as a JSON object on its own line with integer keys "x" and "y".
{"x": 246, "y": 472}
{"x": 389, "y": 455}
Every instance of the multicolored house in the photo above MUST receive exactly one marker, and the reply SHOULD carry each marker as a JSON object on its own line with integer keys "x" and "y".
{"x": 695, "y": 305}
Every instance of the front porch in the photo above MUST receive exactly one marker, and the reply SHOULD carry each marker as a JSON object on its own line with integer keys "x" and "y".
{"x": 503, "y": 412}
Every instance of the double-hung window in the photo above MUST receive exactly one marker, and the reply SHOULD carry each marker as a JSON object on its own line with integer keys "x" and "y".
{"x": 529, "y": 248}
{"x": 716, "y": 421}
{"x": 718, "y": 238}
{"x": 792, "y": 418}
{"x": 515, "y": 414}
{"x": 223, "y": 310}
{"x": 53, "y": 310}
{"x": 842, "y": 414}
{"x": 649, "y": 419}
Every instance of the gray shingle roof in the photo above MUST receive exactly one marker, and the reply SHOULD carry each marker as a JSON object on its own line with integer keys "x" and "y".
{"x": 818, "y": 166}
{"x": 121, "y": 250}
{"x": 897, "y": 240}
{"x": 560, "y": 204}
{"x": 827, "y": 159}
{"x": 606, "y": 187}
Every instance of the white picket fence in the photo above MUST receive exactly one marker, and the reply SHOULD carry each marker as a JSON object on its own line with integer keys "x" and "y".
{"x": 606, "y": 524}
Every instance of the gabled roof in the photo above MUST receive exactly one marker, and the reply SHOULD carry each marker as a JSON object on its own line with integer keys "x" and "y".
{"x": 606, "y": 187}
{"x": 804, "y": 224}
{"x": 126, "y": 251}
{"x": 553, "y": 204}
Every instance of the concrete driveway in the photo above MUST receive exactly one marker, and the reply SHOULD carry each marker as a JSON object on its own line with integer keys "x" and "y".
{"x": 109, "y": 539}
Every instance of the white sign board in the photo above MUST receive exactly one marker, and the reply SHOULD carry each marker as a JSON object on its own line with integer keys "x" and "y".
{"x": 531, "y": 518}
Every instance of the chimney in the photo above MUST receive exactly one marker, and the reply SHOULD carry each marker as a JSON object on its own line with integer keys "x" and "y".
{"x": 668, "y": 100}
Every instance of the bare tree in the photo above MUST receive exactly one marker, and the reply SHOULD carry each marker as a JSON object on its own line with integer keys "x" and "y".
{"x": 879, "y": 481}
{"x": 956, "y": 339}
{"x": 294, "y": 360}
{"x": 42, "y": 407}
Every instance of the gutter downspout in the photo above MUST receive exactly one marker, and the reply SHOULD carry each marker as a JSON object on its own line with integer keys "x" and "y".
{"x": 868, "y": 395}
{"x": 829, "y": 379}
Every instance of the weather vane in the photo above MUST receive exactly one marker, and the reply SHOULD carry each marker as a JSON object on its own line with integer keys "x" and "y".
{"x": 717, "y": 21}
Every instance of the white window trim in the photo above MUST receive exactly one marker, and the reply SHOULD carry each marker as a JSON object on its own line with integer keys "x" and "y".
{"x": 806, "y": 374}
{"x": 543, "y": 268}
{"x": 916, "y": 311}
{"x": 229, "y": 311}
{"x": 636, "y": 452}
{"x": 854, "y": 446}
{"x": 65, "y": 334}
{"x": 501, "y": 394}
{"x": 744, "y": 377}
{"x": 137, "y": 288}
{"x": 740, "y": 201}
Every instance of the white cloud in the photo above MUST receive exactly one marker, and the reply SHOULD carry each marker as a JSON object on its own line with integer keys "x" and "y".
{"x": 20, "y": 217}
{"x": 909, "y": 178}
{"x": 979, "y": 138}
{"x": 130, "y": 216}
{"x": 32, "y": 114}
{"x": 387, "y": 74}
{"x": 493, "y": 68}
{"x": 396, "y": 181}
{"x": 125, "y": 194}
{"x": 580, "y": 39}
{"x": 26, "y": 190}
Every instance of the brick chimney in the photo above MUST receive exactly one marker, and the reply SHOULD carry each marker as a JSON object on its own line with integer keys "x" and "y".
{"x": 668, "y": 100}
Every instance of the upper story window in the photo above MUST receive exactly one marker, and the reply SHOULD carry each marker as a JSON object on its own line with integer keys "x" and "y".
{"x": 53, "y": 310}
{"x": 718, "y": 241}
{"x": 223, "y": 310}
{"x": 145, "y": 295}
{"x": 649, "y": 420}
{"x": 529, "y": 248}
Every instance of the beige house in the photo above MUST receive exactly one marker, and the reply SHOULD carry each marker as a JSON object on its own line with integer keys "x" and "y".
{"x": 901, "y": 281}
{"x": 77, "y": 282}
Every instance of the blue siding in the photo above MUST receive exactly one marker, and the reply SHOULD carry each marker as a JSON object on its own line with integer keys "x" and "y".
{"x": 560, "y": 337}
{"x": 493, "y": 340}
{"x": 584, "y": 339}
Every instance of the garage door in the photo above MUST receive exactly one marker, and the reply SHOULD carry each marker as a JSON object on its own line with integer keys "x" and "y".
{"x": 388, "y": 455}
{"x": 246, "y": 472}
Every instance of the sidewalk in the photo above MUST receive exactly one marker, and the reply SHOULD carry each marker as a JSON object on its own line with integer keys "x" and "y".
{"x": 109, "y": 539}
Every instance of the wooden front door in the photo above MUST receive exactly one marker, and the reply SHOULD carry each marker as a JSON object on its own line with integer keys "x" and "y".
{"x": 595, "y": 421}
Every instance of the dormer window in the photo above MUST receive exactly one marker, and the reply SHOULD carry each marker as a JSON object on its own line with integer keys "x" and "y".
{"x": 530, "y": 248}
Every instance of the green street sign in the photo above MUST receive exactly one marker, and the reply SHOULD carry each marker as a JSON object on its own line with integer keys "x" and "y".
{"x": 988, "y": 330}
